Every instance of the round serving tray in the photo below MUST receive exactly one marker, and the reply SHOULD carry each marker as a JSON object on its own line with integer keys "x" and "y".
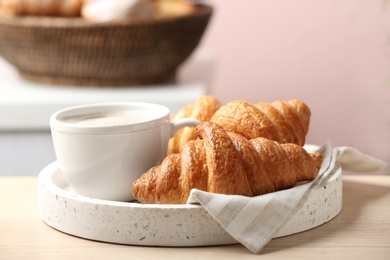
{"x": 161, "y": 225}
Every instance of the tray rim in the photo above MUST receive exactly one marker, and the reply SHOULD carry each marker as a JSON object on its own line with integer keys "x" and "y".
{"x": 223, "y": 237}
{"x": 50, "y": 168}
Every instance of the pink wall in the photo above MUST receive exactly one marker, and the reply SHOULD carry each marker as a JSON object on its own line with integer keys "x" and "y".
{"x": 334, "y": 55}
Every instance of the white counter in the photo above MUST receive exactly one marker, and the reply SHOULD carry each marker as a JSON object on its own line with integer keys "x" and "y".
{"x": 27, "y": 105}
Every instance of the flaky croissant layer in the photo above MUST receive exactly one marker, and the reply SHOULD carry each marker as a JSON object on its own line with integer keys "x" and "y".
{"x": 226, "y": 163}
{"x": 281, "y": 121}
{"x": 203, "y": 109}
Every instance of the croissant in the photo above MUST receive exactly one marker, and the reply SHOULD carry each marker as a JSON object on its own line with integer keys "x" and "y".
{"x": 41, "y": 7}
{"x": 284, "y": 122}
{"x": 172, "y": 8}
{"x": 203, "y": 109}
{"x": 226, "y": 163}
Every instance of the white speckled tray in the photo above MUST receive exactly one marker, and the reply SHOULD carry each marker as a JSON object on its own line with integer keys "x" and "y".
{"x": 160, "y": 225}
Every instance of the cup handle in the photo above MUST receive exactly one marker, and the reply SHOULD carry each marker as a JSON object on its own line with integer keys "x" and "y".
{"x": 177, "y": 125}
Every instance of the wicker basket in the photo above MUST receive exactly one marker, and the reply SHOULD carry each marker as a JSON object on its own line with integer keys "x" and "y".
{"x": 70, "y": 51}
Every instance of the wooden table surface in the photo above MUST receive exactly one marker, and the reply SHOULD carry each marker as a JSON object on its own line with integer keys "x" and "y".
{"x": 360, "y": 231}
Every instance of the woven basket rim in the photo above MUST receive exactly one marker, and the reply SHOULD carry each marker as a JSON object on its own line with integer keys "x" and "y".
{"x": 65, "y": 22}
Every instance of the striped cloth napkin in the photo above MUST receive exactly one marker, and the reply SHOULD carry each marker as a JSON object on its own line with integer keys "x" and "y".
{"x": 254, "y": 221}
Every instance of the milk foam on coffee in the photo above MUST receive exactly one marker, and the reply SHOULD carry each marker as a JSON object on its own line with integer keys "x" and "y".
{"x": 112, "y": 118}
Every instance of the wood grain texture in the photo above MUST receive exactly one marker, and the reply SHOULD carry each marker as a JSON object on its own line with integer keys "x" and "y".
{"x": 360, "y": 231}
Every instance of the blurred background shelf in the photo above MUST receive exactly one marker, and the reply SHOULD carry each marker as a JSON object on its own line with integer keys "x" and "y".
{"x": 26, "y": 107}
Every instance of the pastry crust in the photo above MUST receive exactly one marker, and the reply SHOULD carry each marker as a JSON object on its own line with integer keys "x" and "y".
{"x": 41, "y": 7}
{"x": 226, "y": 163}
{"x": 281, "y": 121}
{"x": 203, "y": 109}
{"x": 284, "y": 122}
{"x": 172, "y": 8}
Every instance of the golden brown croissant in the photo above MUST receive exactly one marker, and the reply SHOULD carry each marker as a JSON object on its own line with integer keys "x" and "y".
{"x": 172, "y": 8}
{"x": 203, "y": 109}
{"x": 226, "y": 163}
{"x": 284, "y": 122}
{"x": 41, "y": 7}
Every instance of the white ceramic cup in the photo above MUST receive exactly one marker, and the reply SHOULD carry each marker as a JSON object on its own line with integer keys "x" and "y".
{"x": 103, "y": 148}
